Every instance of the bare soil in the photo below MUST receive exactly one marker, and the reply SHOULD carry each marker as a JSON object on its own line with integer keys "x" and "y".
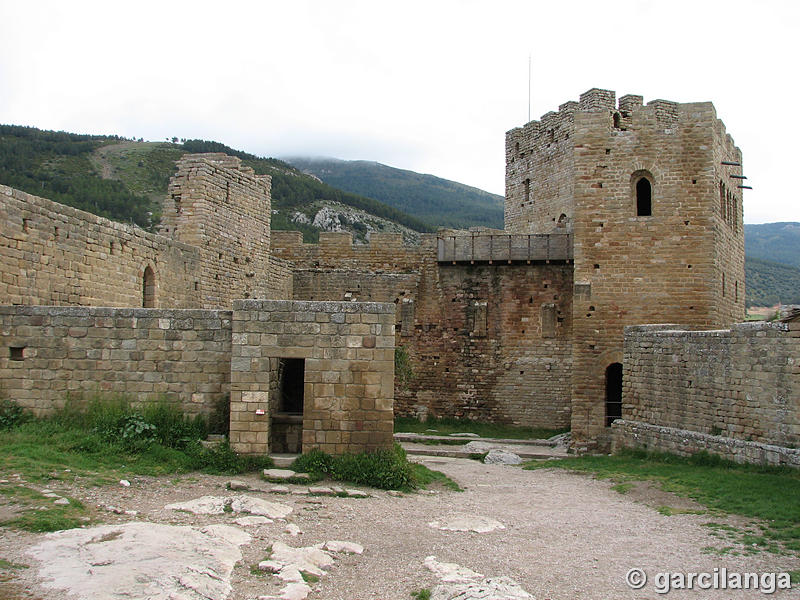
{"x": 567, "y": 536}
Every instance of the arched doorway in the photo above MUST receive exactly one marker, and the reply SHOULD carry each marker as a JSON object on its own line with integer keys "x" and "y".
{"x": 613, "y": 393}
{"x": 148, "y": 288}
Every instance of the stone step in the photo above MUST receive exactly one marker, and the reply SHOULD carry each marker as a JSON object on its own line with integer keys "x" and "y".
{"x": 283, "y": 461}
{"x": 424, "y": 437}
{"x": 526, "y": 453}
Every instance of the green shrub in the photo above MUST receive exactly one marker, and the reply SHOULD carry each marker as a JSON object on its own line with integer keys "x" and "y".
{"x": 12, "y": 414}
{"x": 384, "y": 469}
{"x": 316, "y": 463}
{"x": 221, "y": 459}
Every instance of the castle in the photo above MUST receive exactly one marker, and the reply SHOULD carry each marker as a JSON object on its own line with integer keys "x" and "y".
{"x": 616, "y": 214}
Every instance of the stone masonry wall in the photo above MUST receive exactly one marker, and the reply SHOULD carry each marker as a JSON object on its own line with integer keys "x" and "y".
{"x": 539, "y": 174}
{"x": 49, "y": 352}
{"x": 348, "y": 349}
{"x": 58, "y": 255}
{"x": 490, "y": 342}
{"x": 630, "y": 268}
{"x": 473, "y": 332}
{"x": 223, "y": 209}
{"x": 740, "y": 383}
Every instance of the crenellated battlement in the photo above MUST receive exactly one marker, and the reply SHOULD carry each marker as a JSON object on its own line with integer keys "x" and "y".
{"x": 336, "y": 250}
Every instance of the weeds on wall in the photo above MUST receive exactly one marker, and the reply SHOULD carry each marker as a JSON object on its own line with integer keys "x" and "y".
{"x": 402, "y": 367}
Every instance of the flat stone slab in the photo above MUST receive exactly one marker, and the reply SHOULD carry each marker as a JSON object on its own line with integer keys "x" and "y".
{"x": 346, "y": 547}
{"x": 499, "y": 588}
{"x": 451, "y": 572}
{"x": 217, "y": 505}
{"x": 465, "y": 522}
{"x": 205, "y": 505}
{"x": 284, "y": 475}
{"x": 251, "y": 521}
{"x": 321, "y": 491}
{"x": 139, "y": 561}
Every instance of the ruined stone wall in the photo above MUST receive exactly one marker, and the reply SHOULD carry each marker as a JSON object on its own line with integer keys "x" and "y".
{"x": 490, "y": 342}
{"x": 49, "y": 352}
{"x": 505, "y": 370}
{"x": 635, "y": 268}
{"x": 223, "y": 209}
{"x": 385, "y": 252}
{"x": 731, "y": 391}
{"x": 215, "y": 246}
{"x": 348, "y": 349}
{"x": 58, "y": 255}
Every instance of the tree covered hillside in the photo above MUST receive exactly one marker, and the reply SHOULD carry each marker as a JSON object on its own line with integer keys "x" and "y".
{"x": 125, "y": 180}
{"x": 439, "y": 202}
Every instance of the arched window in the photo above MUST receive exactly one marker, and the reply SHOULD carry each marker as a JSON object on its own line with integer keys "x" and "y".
{"x": 148, "y": 288}
{"x": 644, "y": 198}
{"x": 613, "y": 393}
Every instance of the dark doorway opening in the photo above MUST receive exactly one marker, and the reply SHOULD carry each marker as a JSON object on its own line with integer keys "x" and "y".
{"x": 613, "y": 393}
{"x": 292, "y": 378}
{"x": 286, "y": 423}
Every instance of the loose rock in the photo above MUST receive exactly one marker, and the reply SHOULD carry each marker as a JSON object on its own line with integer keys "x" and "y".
{"x": 502, "y": 457}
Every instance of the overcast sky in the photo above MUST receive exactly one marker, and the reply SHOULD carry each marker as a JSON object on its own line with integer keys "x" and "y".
{"x": 430, "y": 86}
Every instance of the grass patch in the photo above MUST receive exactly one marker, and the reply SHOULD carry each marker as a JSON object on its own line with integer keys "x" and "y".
{"x": 309, "y": 577}
{"x": 446, "y": 426}
{"x": 39, "y": 514}
{"x": 768, "y": 494}
{"x": 623, "y": 488}
{"x": 107, "y": 439}
{"x": 426, "y": 477}
{"x": 423, "y": 594}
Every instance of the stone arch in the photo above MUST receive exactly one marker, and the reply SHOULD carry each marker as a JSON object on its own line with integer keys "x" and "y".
{"x": 148, "y": 287}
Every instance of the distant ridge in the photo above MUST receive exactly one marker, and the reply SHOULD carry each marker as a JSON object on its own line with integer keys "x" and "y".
{"x": 436, "y": 201}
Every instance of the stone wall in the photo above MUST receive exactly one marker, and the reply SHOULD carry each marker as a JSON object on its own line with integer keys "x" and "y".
{"x": 739, "y": 384}
{"x": 348, "y": 354}
{"x": 473, "y": 332}
{"x": 58, "y": 255}
{"x": 146, "y": 354}
{"x": 214, "y": 247}
{"x": 222, "y": 208}
{"x": 490, "y": 342}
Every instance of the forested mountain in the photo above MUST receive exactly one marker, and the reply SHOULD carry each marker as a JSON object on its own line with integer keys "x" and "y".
{"x": 776, "y": 242}
{"x": 125, "y": 180}
{"x": 439, "y": 202}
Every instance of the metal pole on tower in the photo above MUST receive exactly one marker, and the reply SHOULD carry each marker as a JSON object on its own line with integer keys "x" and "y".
{"x": 529, "y": 88}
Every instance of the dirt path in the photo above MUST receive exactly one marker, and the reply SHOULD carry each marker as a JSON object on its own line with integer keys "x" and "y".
{"x": 566, "y": 536}
{"x": 100, "y": 158}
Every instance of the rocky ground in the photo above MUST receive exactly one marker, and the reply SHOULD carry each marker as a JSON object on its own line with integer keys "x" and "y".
{"x": 543, "y": 534}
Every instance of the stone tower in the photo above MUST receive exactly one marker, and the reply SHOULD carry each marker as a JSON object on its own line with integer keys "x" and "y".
{"x": 652, "y": 196}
